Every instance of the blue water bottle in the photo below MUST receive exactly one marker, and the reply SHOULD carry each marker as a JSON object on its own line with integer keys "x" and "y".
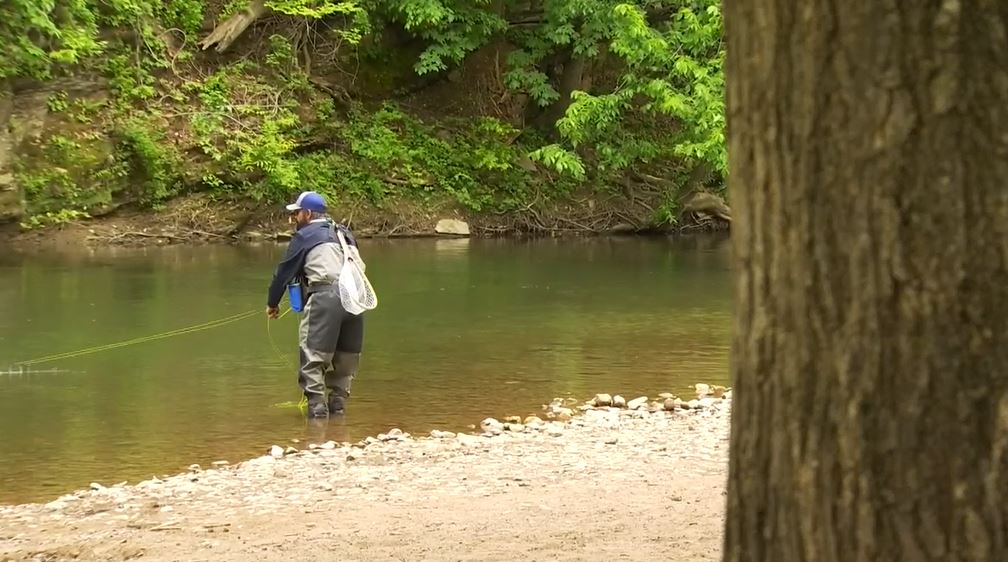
{"x": 294, "y": 294}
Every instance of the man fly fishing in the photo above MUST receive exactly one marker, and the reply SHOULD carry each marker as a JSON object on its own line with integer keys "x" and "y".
{"x": 329, "y": 338}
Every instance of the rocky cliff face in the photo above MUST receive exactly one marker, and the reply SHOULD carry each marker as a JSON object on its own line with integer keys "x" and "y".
{"x": 11, "y": 198}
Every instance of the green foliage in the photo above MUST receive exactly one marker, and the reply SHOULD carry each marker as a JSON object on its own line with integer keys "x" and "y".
{"x": 67, "y": 172}
{"x": 472, "y": 164}
{"x": 453, "y": 28}
{"x": 655, "y": 100}
{"x": 40, "y": 34}
{"x": 185, "y": 15}
{"x": 672, "y": 74}
{"x": 52, "y": 218}
{"x": 152, "y": 163}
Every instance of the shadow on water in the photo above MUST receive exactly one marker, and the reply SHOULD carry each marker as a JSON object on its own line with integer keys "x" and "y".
{"x": 465, "y": 329}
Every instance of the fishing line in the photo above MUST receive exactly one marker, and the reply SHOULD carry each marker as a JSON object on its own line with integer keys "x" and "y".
{"x": 144, "y": 339}
{"x": 303, "y": 403}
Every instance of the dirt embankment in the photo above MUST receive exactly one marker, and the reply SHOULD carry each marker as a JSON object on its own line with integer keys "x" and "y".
{"x": 202, "y": 219}
{"x": 646, "y": 480}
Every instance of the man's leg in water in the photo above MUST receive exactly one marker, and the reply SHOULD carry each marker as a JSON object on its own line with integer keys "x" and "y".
{"x": 317, "y": 334}
{"x": 345, "y": 363}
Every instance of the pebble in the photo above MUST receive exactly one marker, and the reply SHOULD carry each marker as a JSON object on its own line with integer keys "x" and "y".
{"x": 534, "y": 421}
{"x": 515, "y": 427}
{"x": 619, "y": 402}
{"x": 328, "y": 445}
{"x": 276, "y": 451}
{"x": 513, "y": 419}
{"x": 702, "y": 389}
{"x": 670, "y": 404}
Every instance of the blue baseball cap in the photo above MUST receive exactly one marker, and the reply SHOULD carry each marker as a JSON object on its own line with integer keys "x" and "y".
{"x": 308, "y": 201}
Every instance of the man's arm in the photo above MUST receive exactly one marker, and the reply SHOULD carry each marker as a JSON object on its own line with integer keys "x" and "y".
{"x": 286, "y": 271}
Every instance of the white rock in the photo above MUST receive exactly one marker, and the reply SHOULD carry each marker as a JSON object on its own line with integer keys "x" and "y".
{"x": 563, "y": 414}
{"x": 702, "y": 389}
{"x": 467, "y": 440}
{"x": 515, "y": 427}
{"x": 328, "y": 445}
{"x": 491, "y": 425}
{"x": 396, "y": 433}
{"x": 694, "y": 404}
{"x": 452, "y": 226}
{"x": 638, "y": 402}
{"x": 276, "y": 451}
{"x": 438, "y": 434}
{"x": 619, "y": 402}
{"x": 707, "y": 402}
{"x": 221, "y": 463}
{"x": 533, "y": 421}
{"x": 602, "y": 400}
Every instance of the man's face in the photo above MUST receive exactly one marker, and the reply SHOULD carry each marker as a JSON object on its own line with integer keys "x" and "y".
{"x": 300, "y": 218}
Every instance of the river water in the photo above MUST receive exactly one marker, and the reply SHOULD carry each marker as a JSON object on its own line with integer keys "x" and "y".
{"x": 465, "y": 329}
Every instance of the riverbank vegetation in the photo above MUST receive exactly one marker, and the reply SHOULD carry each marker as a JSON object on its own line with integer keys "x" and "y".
{"x": 486, "y": 107}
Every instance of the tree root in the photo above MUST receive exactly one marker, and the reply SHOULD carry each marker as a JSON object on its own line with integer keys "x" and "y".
{"x": 226, "y": 33}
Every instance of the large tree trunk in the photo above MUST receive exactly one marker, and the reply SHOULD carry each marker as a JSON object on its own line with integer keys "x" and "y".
{"x": 869, "y": 174}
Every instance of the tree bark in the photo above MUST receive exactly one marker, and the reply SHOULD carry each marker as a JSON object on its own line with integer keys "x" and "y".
{"x": 868, "y": 147}
{"x": 226, "y": 33}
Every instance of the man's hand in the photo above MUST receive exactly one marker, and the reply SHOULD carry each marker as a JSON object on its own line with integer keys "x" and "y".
{"x": 273, "y": 312}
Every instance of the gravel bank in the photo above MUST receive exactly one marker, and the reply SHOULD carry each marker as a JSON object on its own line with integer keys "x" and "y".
{"x": 610, "y": 482}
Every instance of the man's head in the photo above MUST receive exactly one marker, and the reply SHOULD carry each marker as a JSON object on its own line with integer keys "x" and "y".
{"x": 308, "y": 207}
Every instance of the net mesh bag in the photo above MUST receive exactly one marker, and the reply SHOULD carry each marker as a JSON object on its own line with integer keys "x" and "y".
{"x": 355, "y": 289}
